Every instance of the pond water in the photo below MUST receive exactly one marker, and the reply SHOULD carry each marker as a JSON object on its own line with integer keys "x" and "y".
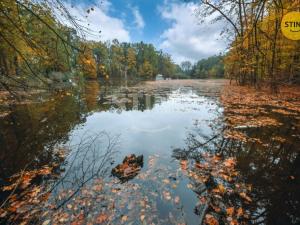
{"x": 102, "y": 124}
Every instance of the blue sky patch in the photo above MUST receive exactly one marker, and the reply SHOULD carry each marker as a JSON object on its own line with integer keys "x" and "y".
{"x": 169, "y": 25}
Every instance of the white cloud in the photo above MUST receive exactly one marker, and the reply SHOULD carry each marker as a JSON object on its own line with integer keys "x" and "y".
{"x": 138, "y": 19}
{"x": 186, "y": 38}
{"x": 99, "y": 20}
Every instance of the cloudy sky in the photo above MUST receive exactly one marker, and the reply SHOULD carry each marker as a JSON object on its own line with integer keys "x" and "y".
{"x": 171, "y": 25}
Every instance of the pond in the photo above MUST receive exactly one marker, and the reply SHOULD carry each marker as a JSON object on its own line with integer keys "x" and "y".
{"x": 142, "y": 154}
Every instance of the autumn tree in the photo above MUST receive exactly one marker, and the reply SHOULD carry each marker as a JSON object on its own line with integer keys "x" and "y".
{"x": 258, "y": 51}
{"x": 33, "y": 42}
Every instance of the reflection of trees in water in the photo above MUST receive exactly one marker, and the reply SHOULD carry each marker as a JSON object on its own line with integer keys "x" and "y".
{"x": 270, "y": 165}
{"x": 125, "y": 99}
{"x": 271, "y": 170}
{"x": 32, "y": 130}
{"x": 35, "y": 127}
{"x": 91, "y": 158}
{"x": 145, "y": 101}
{"x": 107, "y": 97}
{"x": 91, "y": 94}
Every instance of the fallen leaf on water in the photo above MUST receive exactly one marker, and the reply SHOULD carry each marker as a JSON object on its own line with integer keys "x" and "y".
{"x": 166, "y": 181}
{"x": 115, "y": 190}
{"x": 216, "y": 208}
{"x": 45, "y": 171}
{"x": 230, "y": 211}
{"x": 97, "y": 187}
{"x": 190, "y": 186}
{"x": 177, "y": 200}
{"x": 199, "y": 165}
{"x": 2, "y": 213}
{"x": 216, "y": 158}
{"x": 167, "y": 195}
{"x": 221, "y": 188}
{"x": 227, "y": 178}
{"x": 143, "y": 203}
{"x": 46, "y": 222}
{"x": 229, "y": 162}
{"x": 64, "y": 218}
{"x": 124, "y": 218}
{"x": 101, "y": 218}
{"x": 77, "y": 222}
{"x": 246, "y": 197}
{"x": 81, "y": 216}
{"x": 183, "y": 164}
{"x": 8, "y": 188}
{"x": 210, "y": 220}
{"x": 239, "y": 212}
{"x": 234, "y": 222}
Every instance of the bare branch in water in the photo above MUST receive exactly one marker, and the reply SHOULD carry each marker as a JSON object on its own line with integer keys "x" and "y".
{"x": 89, "y": 159}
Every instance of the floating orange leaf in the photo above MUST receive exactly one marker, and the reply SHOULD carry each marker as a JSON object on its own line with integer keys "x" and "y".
{"x": 167, "y": 195}
{"x": 230, "y": 211}
{"x": 210, "y": 220}
{"x": 239, "y": 212}
{"x": 184, "y": 164}
{"x": 124, "y": 218}
{"x": 102, "y": 218}
{"x": 245, "y": 196}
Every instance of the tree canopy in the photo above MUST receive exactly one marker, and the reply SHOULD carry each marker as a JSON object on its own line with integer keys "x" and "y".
{"x": 258, "y": 52}
{"x": 36, "y": 49}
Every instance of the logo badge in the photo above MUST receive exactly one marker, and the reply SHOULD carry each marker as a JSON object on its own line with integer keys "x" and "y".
{"x": 290, "y": 25}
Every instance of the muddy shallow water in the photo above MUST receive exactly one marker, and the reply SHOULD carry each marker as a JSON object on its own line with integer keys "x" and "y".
{"x": 163, "y": 123}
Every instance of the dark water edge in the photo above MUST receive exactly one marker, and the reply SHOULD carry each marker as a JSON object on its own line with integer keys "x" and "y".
{"x": 153, "y": 122}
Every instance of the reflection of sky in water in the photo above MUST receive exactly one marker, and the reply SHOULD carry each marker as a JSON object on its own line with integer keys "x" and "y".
{"x": 153, "y": 130}
{"x": 151, "y": 123}
{"x": 157, "y": 130}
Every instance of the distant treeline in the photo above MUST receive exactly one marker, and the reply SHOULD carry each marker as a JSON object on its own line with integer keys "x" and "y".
{"x": 124, "y": 60}
{"x": 211, "y": 67}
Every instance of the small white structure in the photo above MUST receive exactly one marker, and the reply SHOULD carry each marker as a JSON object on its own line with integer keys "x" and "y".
{"x": 159, "y": 77}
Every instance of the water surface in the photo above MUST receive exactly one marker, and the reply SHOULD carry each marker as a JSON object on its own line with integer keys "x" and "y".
{"x": 152, "y": 120}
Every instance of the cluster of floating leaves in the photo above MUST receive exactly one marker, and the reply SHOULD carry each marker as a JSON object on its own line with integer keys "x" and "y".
{"x": 110, "y": 201}
{"x": 246, "y": 107}
{"x": 250, "y": 121}
{"x": 102, "y": 201}
{"x": 269, "y": 120}
{"x": 27, "y": 193}
{"x": 221, "y": 193}
{"x": 130, "y": 167}
{"x": 241, "y": 136}
{"x": 287, "y": 99}
{"x": 23, "y": 202}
